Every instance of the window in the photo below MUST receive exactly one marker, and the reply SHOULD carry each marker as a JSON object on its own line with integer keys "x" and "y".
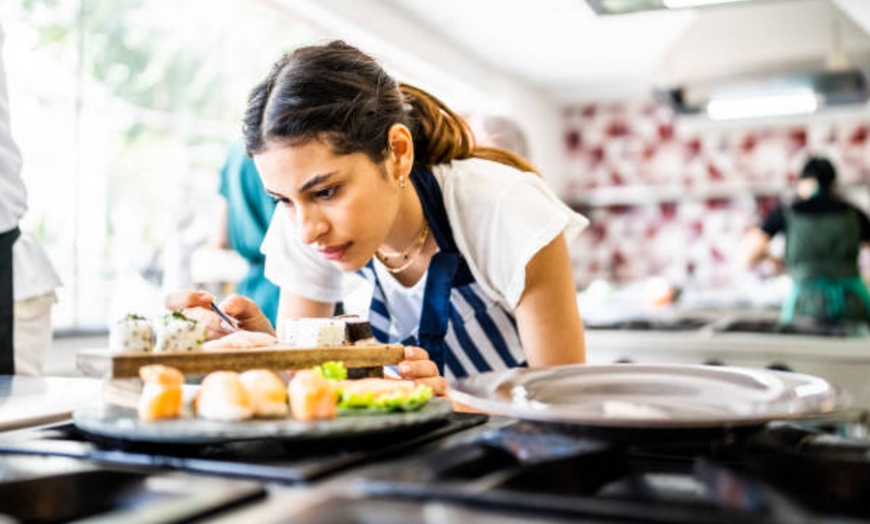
{"x": 123, "y": 110}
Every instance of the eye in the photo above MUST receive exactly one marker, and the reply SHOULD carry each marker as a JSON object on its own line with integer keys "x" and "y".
{"x": 282, "y": 201}
{"x": 326, "y": 193}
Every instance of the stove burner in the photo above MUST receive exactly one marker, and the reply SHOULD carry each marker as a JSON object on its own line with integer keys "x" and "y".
{"x": 735, "y": 478}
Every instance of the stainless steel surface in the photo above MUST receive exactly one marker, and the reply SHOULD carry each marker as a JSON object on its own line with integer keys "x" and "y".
{"x": 650, "y": 395}
{"x": 31, "y": 401}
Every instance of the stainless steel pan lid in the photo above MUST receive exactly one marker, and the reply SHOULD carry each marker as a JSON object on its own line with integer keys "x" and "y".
{"x": 649, "y": 395}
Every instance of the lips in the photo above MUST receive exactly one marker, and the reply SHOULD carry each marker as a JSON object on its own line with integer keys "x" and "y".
{"x": 334, "y": 252}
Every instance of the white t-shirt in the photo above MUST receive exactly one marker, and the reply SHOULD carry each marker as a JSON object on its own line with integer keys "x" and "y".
{"x": 500, "y": 218}
{"x": 13, "y": 196}
{"x": 33, "y": 274}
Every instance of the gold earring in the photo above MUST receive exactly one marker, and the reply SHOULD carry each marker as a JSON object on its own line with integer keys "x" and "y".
{"x": 402, "y": 182}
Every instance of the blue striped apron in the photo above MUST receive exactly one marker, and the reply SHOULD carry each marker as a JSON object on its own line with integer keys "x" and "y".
{"x": 464, "y": 331}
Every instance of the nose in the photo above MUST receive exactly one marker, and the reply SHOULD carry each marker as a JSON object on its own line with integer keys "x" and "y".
{"x": 312, "y": 225}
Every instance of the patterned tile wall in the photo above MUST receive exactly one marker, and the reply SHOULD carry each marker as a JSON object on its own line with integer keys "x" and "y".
{"x": 670, "y": 199}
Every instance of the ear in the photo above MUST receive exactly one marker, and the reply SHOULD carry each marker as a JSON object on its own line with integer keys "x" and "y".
{"x": 401, "y": 158}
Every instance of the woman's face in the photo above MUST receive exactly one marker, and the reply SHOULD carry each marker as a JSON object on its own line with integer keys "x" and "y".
{"x": 343, "y": 205}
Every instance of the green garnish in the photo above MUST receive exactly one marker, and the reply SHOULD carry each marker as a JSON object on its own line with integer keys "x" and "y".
{"x": 331, "y": 370}
{"x": 366, "y": 403}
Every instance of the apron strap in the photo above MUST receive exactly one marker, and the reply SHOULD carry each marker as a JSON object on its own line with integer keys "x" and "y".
{"x": 432, "y": 201}
{"x": 446, "y": 269}
{"x": 435, "y": 314}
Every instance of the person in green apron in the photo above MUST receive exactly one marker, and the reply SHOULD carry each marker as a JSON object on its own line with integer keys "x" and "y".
{"x": 823, "y": 237}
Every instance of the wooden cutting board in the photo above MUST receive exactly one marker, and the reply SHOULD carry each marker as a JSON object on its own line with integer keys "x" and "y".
{"x": 102, "y": 363}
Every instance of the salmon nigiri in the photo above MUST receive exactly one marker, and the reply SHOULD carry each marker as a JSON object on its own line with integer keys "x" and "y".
{"x": 312, "y": 396}
{"x": 266, "y": 391}
{"x": 222, "y": 396}
{"x": 161, "y": 392}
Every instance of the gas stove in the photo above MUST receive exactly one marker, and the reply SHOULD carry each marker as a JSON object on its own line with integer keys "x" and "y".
{"x": 489, "y": 469}
{"x": 779, "y": 473}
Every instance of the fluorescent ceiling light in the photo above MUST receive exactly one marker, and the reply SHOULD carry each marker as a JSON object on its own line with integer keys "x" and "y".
{"x": 682, "y": 4}
{"x": 799, "y": 102}
{"x": 619, "y": 7}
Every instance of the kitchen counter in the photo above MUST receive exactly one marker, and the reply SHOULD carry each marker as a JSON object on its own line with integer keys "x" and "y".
{"x": 30, "y": 401}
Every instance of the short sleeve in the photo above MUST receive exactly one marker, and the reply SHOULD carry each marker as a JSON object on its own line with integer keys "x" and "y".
{"x": 501, "y": 218}
{"x": 774, "y": 222}
{"x": 295, "y": 266}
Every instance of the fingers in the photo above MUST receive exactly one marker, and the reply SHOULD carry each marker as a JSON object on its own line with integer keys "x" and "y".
{"x": 249, "y": 316}
{"x": 438, "y": 385}
{"x": 414, "y": 369}
{"x": 415, "y": 353}
{"x": 180, "y": 300}
{"x": 215, "y": 327}
{"x": 420, "y": 369}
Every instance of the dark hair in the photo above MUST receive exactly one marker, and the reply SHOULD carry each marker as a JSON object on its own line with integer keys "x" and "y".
{"x": 337, "y": 92}
{"x": 822, "y": 170}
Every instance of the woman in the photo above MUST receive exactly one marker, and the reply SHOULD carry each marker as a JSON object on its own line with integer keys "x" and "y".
{"x": 823, "y": 236}
{"x": 462, "y": 246}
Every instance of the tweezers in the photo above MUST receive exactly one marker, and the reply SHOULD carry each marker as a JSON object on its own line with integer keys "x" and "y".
{"x": 226, "y": 318}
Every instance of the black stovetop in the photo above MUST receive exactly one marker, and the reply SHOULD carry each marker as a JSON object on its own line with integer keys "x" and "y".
{"x": 482, "y": 470}
{"x": 779, "y": 473}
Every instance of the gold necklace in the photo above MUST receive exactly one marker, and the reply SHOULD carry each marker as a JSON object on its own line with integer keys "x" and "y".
{"x": 408, "y": 256}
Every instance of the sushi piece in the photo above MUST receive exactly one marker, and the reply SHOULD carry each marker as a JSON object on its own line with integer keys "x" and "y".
{"x": 161, "y": 396}
{"x": 313, "y": 332}
{"x": 312, "y": 396}
{"x": 131, "y": 334}
{"x": 176, "y": 332}
{"x": 267, "y": 393}
{"x": 358, "y": 330}
{"x": 222, "y": 396}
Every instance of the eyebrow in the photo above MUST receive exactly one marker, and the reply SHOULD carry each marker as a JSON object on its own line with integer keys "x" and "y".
{"x": 314, "y": 181}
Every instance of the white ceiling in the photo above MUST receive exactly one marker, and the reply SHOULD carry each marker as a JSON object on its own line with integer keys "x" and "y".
{"x": 563, "y": 48}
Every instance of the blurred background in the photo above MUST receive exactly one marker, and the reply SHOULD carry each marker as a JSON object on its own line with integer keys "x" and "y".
{"x": 673, "y": 127}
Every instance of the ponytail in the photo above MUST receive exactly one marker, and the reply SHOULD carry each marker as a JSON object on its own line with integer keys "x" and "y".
{"x": 440, "y": 135}
{"x": 339, "y": 93}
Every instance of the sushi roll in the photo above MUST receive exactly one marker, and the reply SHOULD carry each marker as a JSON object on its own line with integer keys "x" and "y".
{"x": 313, "y": 332}
{"x": 176, "y": 332}
{"x": 358, "y": 331}
{"x": 161, "y": 396}
{"x": 131, "y": 334}
{"x": 222, "y": 396}
{"x": 312, "y": 396}
{"x": 266, "y": 392}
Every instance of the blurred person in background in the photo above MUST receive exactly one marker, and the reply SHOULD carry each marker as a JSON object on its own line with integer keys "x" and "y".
{"x": 35, "y": 283}
{"x": 13, "y": 204}
{"x": 27, "y": 278}
{"x": 499, "y": 131}
{"x": 823, "y": 237}
{"x": 244, "y": 215}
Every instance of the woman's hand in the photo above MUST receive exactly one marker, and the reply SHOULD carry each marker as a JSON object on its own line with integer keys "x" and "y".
{"x": 420, "y": 369}
{"x": 195, "y": 304}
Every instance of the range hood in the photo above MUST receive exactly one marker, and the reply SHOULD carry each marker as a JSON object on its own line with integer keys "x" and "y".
{"x": 791, "y": 94}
